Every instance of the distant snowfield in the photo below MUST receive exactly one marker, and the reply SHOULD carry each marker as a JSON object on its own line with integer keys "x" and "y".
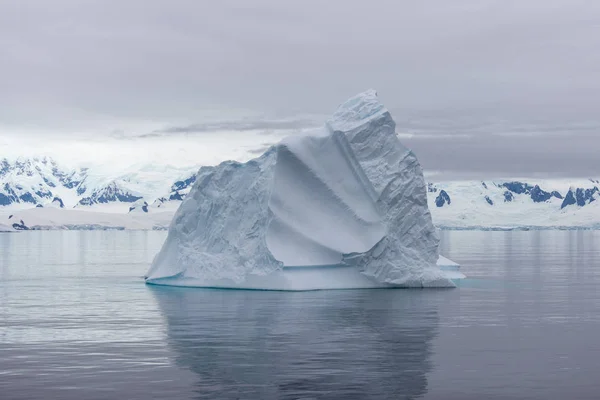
{"x": 483, "y": 205}
{"x": 6, "y": 228}
{"x": 468, "y": 209}
{"x": 42, "y": 194}
{"x": 74, "y": 219}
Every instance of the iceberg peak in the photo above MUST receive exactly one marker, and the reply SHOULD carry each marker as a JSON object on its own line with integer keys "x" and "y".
{"x": 357, "y": 110}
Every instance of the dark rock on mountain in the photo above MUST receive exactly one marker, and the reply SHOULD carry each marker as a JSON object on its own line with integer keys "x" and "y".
{"x": 176, "y": 196}
{"x": 184, "y": 184}
{"x": 57, "y": 201}
{"x": 143, "y": 207}
{"x": 20, "y": 226}
{"x": 442, "y": 198}
{"x": 81, "y": 189}
{"x": 108, "y": 194}
{"x": 538, "y": 195}
{"x": 580, "y": 196}
{"x": 569, "y": 200}
{"x": 5, "y": 200}
{"x": 27, "y": 198}
{"x": 518, "y": 187}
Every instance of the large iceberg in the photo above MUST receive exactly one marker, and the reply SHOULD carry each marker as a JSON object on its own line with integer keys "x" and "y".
{"x": 342, "y": 206}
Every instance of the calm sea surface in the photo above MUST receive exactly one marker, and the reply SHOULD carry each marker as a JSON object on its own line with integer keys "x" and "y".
{"x": 78, "y": 322}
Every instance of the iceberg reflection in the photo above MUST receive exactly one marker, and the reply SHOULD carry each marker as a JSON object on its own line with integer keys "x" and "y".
{"x": 333, "y": 344}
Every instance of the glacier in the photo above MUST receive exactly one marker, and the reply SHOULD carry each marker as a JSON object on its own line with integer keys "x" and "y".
{"x": 342, "y": 206}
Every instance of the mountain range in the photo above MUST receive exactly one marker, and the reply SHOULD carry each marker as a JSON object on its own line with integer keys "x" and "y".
{"x": 516, "y": 203}
{"x": 40, "y": 193}
{"x": 42, "y": 182}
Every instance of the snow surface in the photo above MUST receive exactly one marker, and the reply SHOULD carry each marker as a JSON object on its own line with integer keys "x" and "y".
{"x": 28, "y": 182}
{"x": 343, "y": 206}
{"x": 470, "y": 210}
{"x": 55, "y": 218}
{"x": 6, "y": 228}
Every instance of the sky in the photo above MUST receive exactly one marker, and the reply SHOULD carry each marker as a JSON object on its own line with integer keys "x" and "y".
{"x": 478, "y": 88}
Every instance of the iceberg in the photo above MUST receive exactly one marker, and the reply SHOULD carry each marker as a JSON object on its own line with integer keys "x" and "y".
{"x": 343, "y": 206}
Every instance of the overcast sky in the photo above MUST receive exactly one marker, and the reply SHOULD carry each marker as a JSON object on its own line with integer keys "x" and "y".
{"x": 479, "y": 88}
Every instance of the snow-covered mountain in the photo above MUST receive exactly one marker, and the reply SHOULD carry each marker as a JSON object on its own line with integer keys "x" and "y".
{"x": 26, "y": 183}
{"x": 114, "y": 192}
{"x": 46, "y": 194}
{"x": 41, "y": 182}
{"x": 43, "y": 185}
{"x": 177, "y": 193}
{"x": 520, "y": 203}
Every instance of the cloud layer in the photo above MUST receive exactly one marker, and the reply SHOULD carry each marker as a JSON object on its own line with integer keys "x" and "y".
{"x": 515, "y": 83}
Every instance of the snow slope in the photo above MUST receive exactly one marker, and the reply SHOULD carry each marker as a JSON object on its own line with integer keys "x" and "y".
{"x": 55, "y": 218}
{"x": 6, "y": 228}
{"x": 38, "y": 193}
{"x": 25, "y": 183}
{"x": 342, "y": 206}
{"x": 516, "y": 204}
{"x": 115, "y": 193}
{"x": 40, "y": 182}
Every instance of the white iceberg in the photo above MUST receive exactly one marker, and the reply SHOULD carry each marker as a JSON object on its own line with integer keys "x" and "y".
{"x": 343, "y": 206}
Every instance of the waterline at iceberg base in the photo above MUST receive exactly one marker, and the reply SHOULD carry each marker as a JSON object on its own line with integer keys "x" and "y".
{"x": 305, "y": 278}
{"x": 339, "y": 207}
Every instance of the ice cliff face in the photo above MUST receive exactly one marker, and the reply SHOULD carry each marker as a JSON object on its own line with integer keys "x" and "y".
{"x": 219, "y": 229}
{"x": 346, "y": 194}
{"x": 407, "y": 255}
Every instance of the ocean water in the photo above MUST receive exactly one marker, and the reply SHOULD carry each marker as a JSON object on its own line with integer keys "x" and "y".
{"x": 78, "y": 322}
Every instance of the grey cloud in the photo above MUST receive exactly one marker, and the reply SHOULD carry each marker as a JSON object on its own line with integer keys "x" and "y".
{"x": 442, "y": 67}
{"x": 264, "y": 125}
{"x": 156, "y": 59}
{"x": 260, "y": 150}
{"x": 489, "y": 156}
